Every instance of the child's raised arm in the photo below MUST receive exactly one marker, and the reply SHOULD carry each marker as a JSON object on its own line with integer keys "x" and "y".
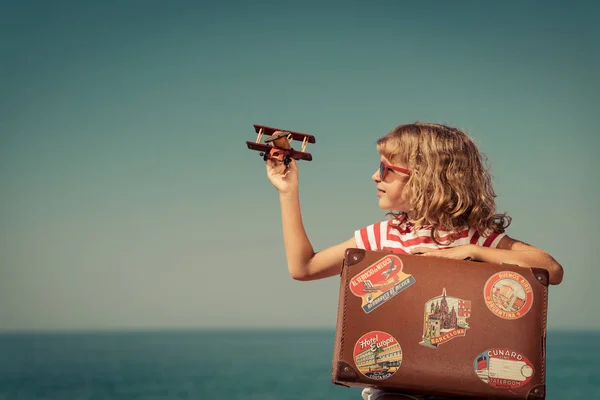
{"x": 303, "y": 263}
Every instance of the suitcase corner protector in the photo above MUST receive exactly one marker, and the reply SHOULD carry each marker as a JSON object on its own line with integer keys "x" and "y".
{"x": 538, "y": 392}
{"x": 344, "y": 373}
{"x": 541, "y": 276}
{"x": 353, "y": 256}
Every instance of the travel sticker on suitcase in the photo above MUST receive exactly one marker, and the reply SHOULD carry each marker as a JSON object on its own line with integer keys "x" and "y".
{"x": 508, "y": 295}
{"x": 380, "y": 281}
{"x": 445, "y": 319}
{"x": 503, "y": 368}
{"x": 377, "y": 355}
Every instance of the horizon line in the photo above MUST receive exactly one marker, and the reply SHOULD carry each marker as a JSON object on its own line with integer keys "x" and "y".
{"x": 83, "y": 331}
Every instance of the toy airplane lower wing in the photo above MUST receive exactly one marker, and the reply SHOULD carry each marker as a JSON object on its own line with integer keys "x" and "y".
{"x": 278, "y": 144}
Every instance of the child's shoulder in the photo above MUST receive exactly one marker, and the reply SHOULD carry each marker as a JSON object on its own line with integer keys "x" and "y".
{"x": 385, "y": 235}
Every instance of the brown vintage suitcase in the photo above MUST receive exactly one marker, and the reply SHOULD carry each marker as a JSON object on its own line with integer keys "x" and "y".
{"x": 441, "y": 327}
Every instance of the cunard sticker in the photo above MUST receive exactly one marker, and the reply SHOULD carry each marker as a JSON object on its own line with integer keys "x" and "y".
{"x": 503, "y": 368}
{"x": 508, "y": 295}
{"x": 377, "y": 355}
{"x": 445, "y": 319}
{"x": 380, "y": 282}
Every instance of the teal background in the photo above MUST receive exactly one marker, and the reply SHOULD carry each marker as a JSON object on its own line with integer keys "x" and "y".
{"x": 128, "y": 199}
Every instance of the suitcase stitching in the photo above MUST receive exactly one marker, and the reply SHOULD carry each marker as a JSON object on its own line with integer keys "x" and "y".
{"x": 544, "y": 321}
{"x": 341, "y": 324}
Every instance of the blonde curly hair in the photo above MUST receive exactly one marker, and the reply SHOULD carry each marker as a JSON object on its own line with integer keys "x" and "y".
{"x": 450, "y": 186}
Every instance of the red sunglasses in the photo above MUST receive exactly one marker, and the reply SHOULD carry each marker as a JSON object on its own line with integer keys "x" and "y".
{"x": 384, "y": 167}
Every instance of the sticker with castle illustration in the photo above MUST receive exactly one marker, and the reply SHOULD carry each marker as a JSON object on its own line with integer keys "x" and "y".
{"x": 377, "y": 355}
{"x": 445, "y": 319}
{"x": 380, "y": 281}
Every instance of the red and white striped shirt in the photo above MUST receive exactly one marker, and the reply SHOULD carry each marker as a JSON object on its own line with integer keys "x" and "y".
{"x": 383, "y": 236}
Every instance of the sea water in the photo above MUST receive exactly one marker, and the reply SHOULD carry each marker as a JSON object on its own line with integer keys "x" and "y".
{"x": 224, "y": 365}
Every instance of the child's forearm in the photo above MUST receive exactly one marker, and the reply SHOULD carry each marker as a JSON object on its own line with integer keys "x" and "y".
{"x": 533, "y": 258}
{"x": 298, "y": 249}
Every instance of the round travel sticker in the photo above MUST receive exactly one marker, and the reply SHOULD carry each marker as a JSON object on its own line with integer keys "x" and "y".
{"x": 508, "y": 295}
{"x": 503, "y": 368}
{"x": 377, "y": 355}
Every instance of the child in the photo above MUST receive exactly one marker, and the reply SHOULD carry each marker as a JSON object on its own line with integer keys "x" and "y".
{"x": 432, "y": 180}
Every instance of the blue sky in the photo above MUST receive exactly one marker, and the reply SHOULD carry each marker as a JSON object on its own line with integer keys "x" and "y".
{"x": 128, "y": 198}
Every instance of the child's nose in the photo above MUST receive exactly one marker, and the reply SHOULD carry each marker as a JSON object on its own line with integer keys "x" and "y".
{"x": 375, "y": 177}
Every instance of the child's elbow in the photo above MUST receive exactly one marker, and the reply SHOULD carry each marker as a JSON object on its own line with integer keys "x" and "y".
{"x": 299, "y": 274}
{"x": 555, "y": 270}
{"x": 556, "y": 273}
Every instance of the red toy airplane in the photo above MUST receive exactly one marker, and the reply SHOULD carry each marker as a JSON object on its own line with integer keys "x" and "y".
{"x": 279, "y": 147}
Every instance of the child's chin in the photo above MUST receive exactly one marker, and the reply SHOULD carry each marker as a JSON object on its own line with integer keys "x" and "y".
{"x": 384, "y": 205}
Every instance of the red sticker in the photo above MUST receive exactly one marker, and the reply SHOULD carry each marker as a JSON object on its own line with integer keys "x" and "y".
{"x": 503, "y": 368}
{"x": 377, "y": 355}
{"x": 379, "y": 282}
{"x": 508, "y": 295}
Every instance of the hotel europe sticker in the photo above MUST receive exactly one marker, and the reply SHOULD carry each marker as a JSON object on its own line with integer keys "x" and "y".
{"x": 380, "y": 281}
{"x": 445, "y": 319}
{"x": 503, "y": 368}
{"x": 377, "y": 355}
{"x": 508, "y": 295}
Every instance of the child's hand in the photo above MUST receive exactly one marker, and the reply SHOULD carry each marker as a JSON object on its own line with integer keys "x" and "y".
{"x": 456, "y": 253}
{"x": 284, "y": 179}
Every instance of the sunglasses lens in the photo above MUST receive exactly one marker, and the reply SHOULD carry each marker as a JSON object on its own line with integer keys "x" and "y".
{"x": 382, "y": 170}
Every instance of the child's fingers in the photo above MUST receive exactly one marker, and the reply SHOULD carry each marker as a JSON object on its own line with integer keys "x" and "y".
{"x": 272, "y": 164}
{"x": 421, "y": 250}
{"x": 278, "y": 168}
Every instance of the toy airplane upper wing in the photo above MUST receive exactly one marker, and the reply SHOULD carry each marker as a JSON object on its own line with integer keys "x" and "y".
{"x": 278, "y": 144}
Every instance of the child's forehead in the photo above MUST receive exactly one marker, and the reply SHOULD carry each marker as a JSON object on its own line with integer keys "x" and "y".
{"x": 392, "y": 159}
{"x": 394, "y": 150}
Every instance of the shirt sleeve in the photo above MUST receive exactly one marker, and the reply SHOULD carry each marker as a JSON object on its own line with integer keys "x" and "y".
{"x": 370, "y": 237}
{"x": 489, "y": 239}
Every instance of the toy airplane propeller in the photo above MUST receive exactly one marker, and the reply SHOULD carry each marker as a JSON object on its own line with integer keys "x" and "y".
{"x": 278, "y": 145}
